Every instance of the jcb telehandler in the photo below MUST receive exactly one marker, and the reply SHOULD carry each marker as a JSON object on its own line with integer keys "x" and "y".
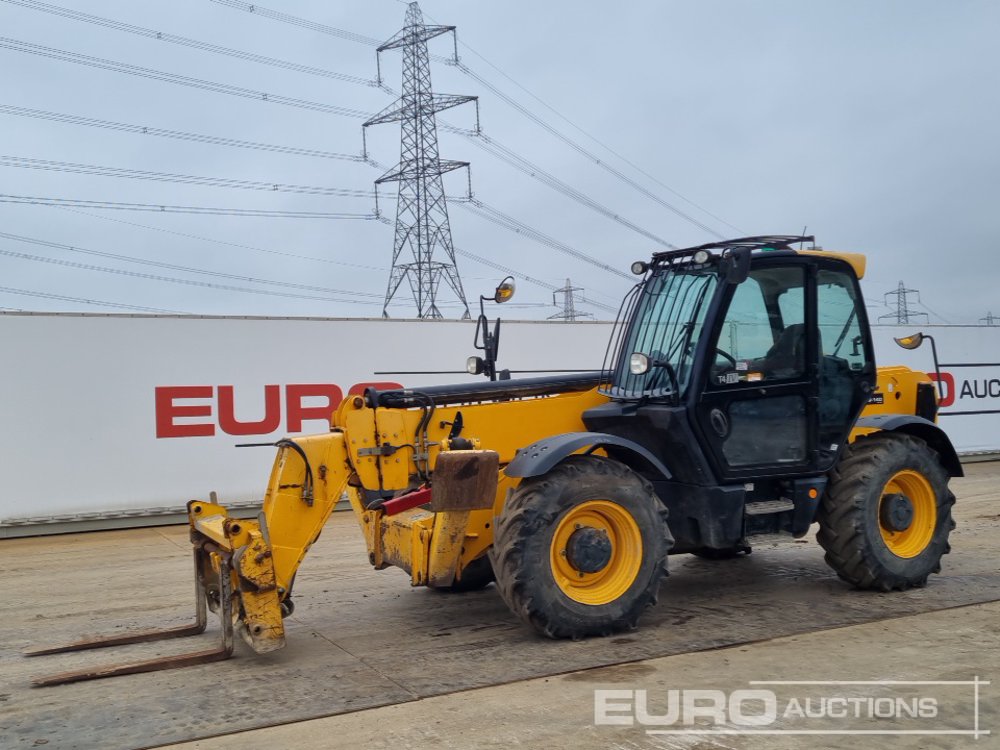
{"x": 739, "y": 396}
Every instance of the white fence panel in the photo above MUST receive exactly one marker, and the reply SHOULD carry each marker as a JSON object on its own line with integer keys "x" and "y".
{"x": 101, "y": 414}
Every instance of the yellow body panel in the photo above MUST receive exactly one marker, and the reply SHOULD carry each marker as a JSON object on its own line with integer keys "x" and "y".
{"x": 857, "y": 261}
{"x": 896, "y": 388}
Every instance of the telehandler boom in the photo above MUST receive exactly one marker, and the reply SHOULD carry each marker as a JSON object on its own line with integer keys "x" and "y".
{"x": 739, "y": 396}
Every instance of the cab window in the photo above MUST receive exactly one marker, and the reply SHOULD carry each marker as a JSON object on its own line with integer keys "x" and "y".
{"x": 763, "y": 336}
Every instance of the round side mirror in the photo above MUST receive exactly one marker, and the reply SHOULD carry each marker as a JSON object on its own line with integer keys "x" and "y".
{"x": 912, "y": 341}
{"x": 505, "y": 290}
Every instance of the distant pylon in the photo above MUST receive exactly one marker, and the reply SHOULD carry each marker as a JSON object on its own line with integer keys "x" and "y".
{"x": 421, "y": 210}
{"x": 903, "y": 311}
{"x": 569, "y": 311}
{"x": 990, "y": 319}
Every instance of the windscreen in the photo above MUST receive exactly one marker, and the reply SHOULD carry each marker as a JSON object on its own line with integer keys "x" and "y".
{"x": 663, "y": 319}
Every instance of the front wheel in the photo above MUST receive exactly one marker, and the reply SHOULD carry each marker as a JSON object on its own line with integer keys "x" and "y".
{"x": 582, "y": 550}
{"x": 886, "y": 514}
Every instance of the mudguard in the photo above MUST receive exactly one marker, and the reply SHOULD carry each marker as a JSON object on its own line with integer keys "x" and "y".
{"x": 919, "y": 427}
{"x": 541, "y": 457}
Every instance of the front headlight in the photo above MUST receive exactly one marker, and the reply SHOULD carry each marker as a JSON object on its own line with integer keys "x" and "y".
{"x": 638, "y": 363}
{"x": 475, "y": 365}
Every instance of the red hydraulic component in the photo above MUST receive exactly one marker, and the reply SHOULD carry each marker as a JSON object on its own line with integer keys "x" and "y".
{"x": 407, "y": 501}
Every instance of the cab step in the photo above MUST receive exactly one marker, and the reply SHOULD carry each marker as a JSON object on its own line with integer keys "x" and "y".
{"x": 767, "y": 507}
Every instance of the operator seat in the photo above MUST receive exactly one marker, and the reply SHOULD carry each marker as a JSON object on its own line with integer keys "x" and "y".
{"x": 787, "y": 358}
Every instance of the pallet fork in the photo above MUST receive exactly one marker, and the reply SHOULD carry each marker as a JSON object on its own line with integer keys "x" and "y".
{"x": 223, "y": 651}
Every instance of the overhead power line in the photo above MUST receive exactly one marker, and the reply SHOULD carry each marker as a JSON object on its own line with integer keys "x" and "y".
{"x": 496, "y": 216}
{"x": 512, "y": 158}
{"x": 226, "y": 243}
{"x": 587, "y": 154}
{"x": 160, "y": 36}
{"x": 176, "y": 267}
{"x": 82, "y": 301}
{"x": 583, "y": 151}
{"x": 139, "y": 174}
{"x": 936, "y": 315}
{"x": 275, "y": 15}
{"x": 159, "y": 75}
{"x": 507, "y": 270}
{"x": 175, "y": 280}
{"x": 488, "y": 144}
{"x": 599, "y": 142}
{"x": 514, "y": 272}
{"x": 502, "y": 152}
{"x": 164, "y": 209}
{"x": 40, "y": 114}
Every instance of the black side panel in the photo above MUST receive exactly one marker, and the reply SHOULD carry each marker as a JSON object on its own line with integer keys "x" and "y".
{"x": 927, "y": 405}
{"x": 663, "y": 430}
{"x": 702, "y": 516}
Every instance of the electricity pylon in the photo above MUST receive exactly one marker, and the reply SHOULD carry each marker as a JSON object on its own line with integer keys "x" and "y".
{"x": 422, "y": 224}
{"x": 569, "y": 311}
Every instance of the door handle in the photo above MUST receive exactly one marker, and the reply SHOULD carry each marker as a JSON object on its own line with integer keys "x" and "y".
{"x": 719, "y": 422}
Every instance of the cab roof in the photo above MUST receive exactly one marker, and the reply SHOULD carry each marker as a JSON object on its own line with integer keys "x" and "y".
{"x": 768, "y": 243}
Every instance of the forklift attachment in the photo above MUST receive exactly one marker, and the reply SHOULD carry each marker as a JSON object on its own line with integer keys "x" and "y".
{"x": 223, "y": 651}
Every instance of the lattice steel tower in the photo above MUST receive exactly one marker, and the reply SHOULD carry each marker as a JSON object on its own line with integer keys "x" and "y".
{"x": 569, "y": 312}
{"x": 422, "y": 224}
{"x": 903, "y": 311}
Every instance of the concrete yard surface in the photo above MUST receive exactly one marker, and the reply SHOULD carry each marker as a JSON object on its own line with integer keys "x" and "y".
{"x": 557, "y": 713}
{"x": 371, "y": 662}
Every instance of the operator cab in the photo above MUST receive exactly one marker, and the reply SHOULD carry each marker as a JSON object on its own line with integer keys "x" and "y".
{"x": 760, "y": 352}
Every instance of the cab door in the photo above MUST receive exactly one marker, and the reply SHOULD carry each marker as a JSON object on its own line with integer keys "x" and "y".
{"x": 846, "y": 373}
{"x": 757, "y": 410}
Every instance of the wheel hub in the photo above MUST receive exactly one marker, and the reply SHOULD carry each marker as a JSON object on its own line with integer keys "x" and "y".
{"x": 896, "y": 512}
{"x": 588, "y": 549}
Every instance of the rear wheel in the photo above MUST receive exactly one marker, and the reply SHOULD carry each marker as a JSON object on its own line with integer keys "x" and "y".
{"x": 886, "y": 515}
{"x": 582, "y": 550}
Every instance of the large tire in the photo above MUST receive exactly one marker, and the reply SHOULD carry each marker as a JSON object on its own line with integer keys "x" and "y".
{"x": 582, "y": 550}
{"x": 866, "y": 544}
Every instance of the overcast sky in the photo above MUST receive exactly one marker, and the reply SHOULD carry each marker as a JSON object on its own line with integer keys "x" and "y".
{"x": 873, "y": 123}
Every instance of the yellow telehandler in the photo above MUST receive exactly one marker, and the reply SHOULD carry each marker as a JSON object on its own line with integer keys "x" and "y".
{"x": 739, "y": 396}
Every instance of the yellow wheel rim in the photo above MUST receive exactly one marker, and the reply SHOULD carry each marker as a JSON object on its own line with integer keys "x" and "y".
{"x": 614, "y": 579}
{"x": 914, "y": 539}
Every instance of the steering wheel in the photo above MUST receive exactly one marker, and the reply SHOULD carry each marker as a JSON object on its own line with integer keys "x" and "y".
{"x": 727, "y": 355}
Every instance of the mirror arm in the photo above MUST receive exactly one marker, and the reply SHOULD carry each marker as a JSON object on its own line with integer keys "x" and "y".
{"x": 937, "y": 366}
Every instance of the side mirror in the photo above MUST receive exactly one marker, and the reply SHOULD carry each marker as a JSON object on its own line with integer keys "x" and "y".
{"x": 735, "y": 265}
{"x": 487, "y": 342}
{"x": 504, "y": 291}
{"x": 913, "y": 341}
